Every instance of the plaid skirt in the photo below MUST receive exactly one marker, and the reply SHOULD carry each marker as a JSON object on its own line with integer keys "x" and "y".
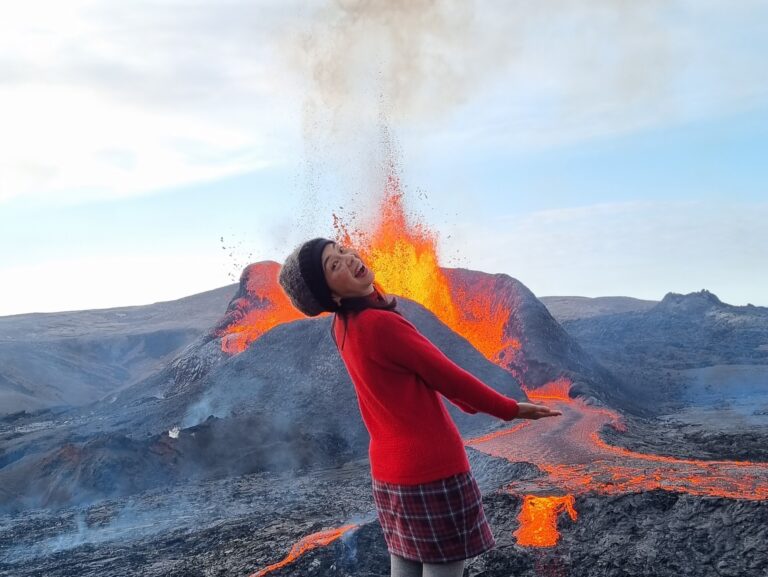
{"x": 434, "y": 522}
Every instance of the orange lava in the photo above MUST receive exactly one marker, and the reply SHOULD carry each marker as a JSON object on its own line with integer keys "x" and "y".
{"x": 319, "y": 539}
{"x": 403, "y": 255}
{"x": 569, "y": 449}
{"x": 497, "y": 434}
{"x": 553, "y": 390}
{"x": 404, "y": 258}
{"x": 538, "y": 519}
{"x": 262, "y": 306}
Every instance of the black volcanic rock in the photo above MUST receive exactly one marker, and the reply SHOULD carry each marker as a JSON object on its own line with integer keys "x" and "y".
{"x": 241, "y": 525}
{"x": 697, "y": 302}
{"x": 682, "y": 331}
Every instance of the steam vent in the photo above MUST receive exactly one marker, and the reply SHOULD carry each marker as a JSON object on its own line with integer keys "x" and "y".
{"x": 244, "y": 454}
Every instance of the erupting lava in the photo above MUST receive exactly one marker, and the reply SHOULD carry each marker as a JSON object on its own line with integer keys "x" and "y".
{"x": 568, "y": 448}
{"x": 538, "y": 519}
{"x": 405, "y": 261}
{"x": 319, "y": 539}
{"x": 404, "y": 258}
{"x": 259, "y": 305}
{"x": 556, "y": 390}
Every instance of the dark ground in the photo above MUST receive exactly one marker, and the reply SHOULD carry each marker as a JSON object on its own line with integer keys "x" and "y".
{"x": 237, "y": 526}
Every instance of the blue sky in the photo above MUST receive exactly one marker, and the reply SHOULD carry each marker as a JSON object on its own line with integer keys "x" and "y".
{"x": 579, "y": 170}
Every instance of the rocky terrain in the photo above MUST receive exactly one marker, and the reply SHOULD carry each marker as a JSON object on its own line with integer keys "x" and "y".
{"x": 238, "y": 526}
{"x": 649, "y": 351}
{"x": 258, "y": 410}
{"x": 216, "y": 464}
{"x": 680, "y": 332}
{"x": 73, "y": 358}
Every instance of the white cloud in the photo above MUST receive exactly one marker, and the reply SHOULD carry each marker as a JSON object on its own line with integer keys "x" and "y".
{"x": 103, "y": 99}
{"x": 638, "y": 249}
{"x": 76, "y": 141}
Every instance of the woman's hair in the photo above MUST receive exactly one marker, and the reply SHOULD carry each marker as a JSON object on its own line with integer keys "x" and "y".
{"x": 356, "y": 304}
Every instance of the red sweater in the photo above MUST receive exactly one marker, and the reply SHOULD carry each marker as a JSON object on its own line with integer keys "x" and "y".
{"x": 399, "y": 376}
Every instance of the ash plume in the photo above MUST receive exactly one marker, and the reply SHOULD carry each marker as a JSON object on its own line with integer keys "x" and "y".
{"x": 423, "y": 58}
{"x": 410, "y": 66}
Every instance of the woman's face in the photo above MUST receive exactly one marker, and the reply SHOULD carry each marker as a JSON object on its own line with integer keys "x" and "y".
{"x": 340, "y": 263}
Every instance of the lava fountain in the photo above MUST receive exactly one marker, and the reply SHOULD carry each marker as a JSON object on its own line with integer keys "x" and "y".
{"x": 404, "y": 256}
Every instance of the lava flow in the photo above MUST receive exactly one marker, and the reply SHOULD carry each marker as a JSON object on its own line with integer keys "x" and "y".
{"x": 538, "y": 519}
{"x": 319, "y": 539}
{"x": 569, "y": 449}
{"x": 259, "y": 305}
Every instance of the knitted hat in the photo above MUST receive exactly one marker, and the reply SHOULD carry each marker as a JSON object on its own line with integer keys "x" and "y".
{"x": 303, "y": 280}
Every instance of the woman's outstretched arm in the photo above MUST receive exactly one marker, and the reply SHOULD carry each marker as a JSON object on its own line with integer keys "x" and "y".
{"x": 397, "y": 344}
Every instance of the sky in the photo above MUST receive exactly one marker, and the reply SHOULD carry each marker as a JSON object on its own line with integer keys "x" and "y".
{"x": 151, "y": 150}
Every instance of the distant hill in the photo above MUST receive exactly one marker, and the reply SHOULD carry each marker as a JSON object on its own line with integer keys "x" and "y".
{"x": 650, "y": 349}
{"x": 567, "y": 308}
{"x": 680, "y": 332}
{"x": 73, "y": 358}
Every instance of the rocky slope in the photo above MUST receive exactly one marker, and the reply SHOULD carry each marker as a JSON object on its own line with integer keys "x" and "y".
{"x": 547, "y": 352}
{"x": 278, "y": 405}
{"x": 74, "y": 358}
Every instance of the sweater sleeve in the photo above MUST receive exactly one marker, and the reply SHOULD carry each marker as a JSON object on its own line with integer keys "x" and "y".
{"x": 464, "y": 407}
{"x": 402, "y": 346}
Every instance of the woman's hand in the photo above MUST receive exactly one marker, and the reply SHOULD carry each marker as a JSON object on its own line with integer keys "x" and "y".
{"x": 531, "y": 411}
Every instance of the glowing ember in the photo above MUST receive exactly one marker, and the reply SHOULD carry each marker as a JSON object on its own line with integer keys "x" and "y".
{"x": 538, "y": 519}
{"x": 319, "y": 539}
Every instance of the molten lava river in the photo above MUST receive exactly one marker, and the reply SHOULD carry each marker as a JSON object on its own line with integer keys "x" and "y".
{"x": 569, "y": 449}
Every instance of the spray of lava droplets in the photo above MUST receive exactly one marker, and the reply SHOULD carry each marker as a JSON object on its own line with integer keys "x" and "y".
{"x": 404, "y": 257}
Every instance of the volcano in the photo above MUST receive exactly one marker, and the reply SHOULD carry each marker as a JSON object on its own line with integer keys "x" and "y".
{"x": 245, "y": 453}
{"x": 288, "y": 388}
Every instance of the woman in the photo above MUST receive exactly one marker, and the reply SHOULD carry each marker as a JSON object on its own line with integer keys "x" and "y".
{"x": 427, "y": 500}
